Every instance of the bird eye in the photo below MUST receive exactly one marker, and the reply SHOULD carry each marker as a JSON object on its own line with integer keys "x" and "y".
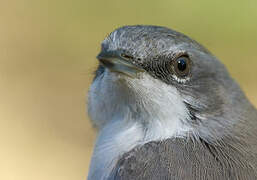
{"x": 182, "y": 66}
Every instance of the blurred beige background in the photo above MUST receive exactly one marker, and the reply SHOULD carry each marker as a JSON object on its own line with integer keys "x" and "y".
{"x": 47, "y": 58}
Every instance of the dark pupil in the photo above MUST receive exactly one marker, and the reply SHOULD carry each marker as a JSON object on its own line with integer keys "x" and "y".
{"x": 182, "y": 65}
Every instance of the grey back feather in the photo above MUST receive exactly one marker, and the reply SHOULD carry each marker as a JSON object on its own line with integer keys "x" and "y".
{"x": 189, "y": 159}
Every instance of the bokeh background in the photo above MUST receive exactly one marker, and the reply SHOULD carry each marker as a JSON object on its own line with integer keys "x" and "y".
{"x": 47, "y": 59}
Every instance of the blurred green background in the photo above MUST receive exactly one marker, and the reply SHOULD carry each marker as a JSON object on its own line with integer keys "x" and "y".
{"x": 47, "y": 58}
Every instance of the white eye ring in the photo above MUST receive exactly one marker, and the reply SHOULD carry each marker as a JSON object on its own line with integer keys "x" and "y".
{"x": 180, "y": 80}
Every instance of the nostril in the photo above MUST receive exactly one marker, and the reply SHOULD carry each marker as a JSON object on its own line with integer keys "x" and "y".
{"x": 106, "y": 63}
{"x": 127, "y": 56}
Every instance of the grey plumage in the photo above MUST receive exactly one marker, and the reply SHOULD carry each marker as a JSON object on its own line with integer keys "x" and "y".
{"x": 175, "y": 159}
{"x": 221, "y": 142}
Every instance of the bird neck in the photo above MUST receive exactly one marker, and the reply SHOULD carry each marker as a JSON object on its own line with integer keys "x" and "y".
{"x": 129, "y": 129}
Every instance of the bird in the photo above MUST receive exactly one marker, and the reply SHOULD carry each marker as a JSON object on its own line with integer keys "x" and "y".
{"x": 166, "y": 108}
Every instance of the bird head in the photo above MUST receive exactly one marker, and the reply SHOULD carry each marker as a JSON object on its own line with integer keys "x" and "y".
{"x": 154, "y": 75}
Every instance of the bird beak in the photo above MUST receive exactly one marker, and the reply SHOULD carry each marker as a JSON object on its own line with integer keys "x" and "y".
{"x": 118, "y": 63}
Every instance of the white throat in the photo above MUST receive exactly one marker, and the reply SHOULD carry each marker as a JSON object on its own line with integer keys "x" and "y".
{"x": 130, "y": 112}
